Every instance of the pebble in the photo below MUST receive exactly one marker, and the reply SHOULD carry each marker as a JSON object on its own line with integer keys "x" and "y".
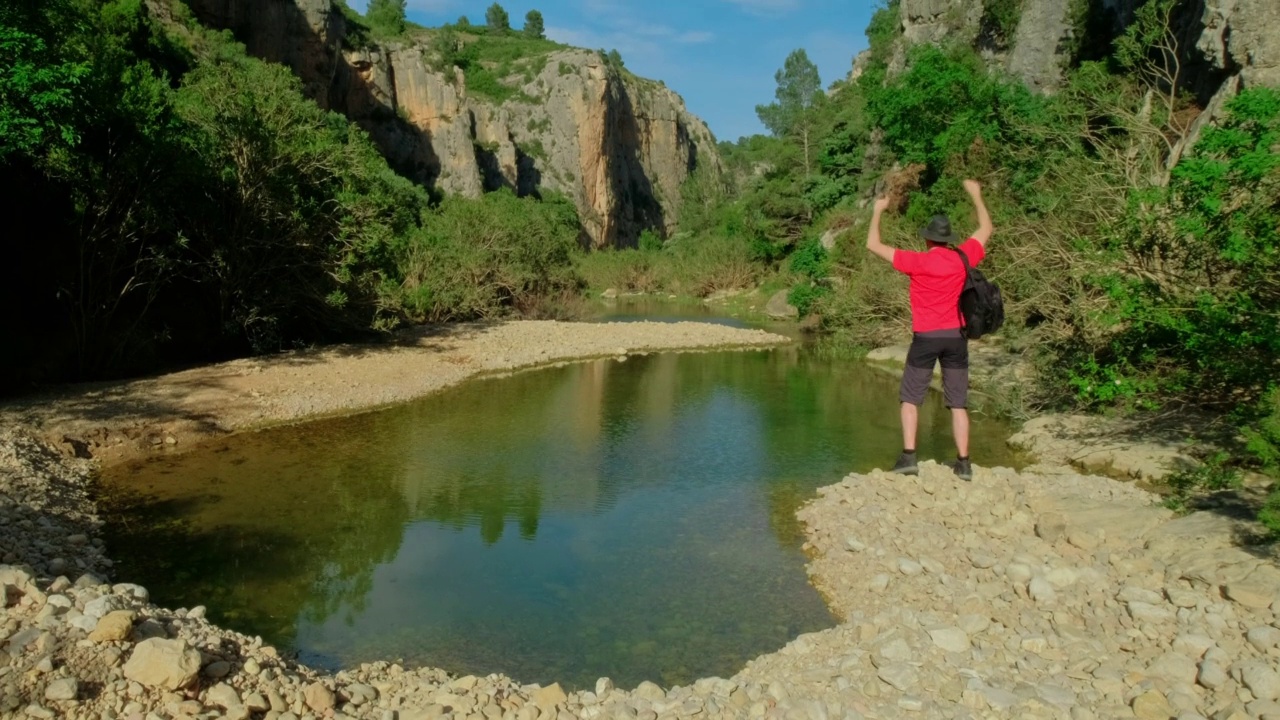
{"x": 1262, "y": 680}
{"x": 62, "y": 689}
{"x": 1041, "y": 590}
{"x": 909, "y": 567}
{"x": 950, "y": 639}
{"x": 1264, "y": 637}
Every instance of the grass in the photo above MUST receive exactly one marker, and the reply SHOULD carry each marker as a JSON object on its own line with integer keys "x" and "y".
{"x": 695, "y": 267}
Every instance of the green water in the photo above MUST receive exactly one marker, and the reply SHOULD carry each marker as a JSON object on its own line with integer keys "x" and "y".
{"x": 631, "y": 519}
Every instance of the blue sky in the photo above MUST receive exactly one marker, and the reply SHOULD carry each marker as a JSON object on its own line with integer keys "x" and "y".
{"x": 720, "y": 55}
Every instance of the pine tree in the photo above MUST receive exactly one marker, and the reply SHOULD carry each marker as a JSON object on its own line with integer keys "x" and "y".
{"x": 497, "y": 18}
{"x": 799, "y": 92}
{"x": 533, "y": 26}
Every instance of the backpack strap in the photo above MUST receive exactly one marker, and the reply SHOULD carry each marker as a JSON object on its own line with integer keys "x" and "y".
{"x": 967, "y": 269}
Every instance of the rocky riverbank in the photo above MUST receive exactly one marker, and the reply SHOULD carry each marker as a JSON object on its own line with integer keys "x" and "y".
{"x": 1040, "y": 594}
{"x": 114, "y": 421}
{"x": 1035, "y": 594}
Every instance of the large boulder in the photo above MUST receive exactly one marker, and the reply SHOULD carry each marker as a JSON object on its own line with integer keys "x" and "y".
{"x": 779, "y": 308}
{"x": 165, "y": 664}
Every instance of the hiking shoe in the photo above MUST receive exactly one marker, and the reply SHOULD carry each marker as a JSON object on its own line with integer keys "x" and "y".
{"x": 906, "y": 465}
{"x": 963, "y": 469}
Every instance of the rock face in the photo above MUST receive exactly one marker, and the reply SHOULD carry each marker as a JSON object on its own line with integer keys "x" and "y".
{"x": 931, "y": 21}
{"x": 1225, "y": 44}
{"x": 617, "y": 145}
{"x": 1239, "y": 38}
{"x": 1035, "y": 56}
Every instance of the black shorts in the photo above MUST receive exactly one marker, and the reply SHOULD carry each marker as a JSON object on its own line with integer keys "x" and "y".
{"x": 951, "y": 349}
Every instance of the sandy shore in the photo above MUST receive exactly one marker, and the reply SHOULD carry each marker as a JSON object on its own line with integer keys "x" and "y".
{"x": 111, "y": 422}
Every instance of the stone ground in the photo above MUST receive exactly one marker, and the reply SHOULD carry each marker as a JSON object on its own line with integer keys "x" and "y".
{"x": 1035, "y": 594}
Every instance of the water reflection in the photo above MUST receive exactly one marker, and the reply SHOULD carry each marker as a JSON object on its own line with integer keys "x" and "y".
{"x": 633, "y": 519}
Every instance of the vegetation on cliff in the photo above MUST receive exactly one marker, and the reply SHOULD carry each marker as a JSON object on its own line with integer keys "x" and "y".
{"x": 194, "y": 205}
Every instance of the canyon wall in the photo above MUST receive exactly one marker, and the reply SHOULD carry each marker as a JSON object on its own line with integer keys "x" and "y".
{"x": 619, "y": 146}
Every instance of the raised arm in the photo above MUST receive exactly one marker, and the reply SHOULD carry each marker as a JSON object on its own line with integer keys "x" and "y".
{"x": 983, "y": 233}
{"x": 873, "y": 233}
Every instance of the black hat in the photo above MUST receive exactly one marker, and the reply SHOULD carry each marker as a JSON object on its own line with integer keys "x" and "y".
{"x": 939, "y": 230}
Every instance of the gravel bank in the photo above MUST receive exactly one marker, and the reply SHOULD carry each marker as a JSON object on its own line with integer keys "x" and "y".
{"x": 116, "y": 421}
{"x": 1040, "y": 594}
{"x": 1044, "y": 594}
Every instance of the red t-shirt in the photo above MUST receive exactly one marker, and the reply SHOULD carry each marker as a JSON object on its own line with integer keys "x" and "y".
{"x": 937, "y": 277}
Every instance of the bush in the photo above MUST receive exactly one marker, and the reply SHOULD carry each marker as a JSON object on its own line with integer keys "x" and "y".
{"x": 650, "y": 240}
{"x": 805, "y": 296}
{"x": 482, "y": 258}
{"x": 319, "y": 211}
{"x": 811, "y": 261}
{"x": 695, "y": 266}
{"x": 944, "y": 103}
{"x": 1195, "y": 297}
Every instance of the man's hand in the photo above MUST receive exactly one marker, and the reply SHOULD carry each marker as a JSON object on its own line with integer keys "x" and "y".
{"x": 983, "y": 233}
{"x": 873, "y": 232}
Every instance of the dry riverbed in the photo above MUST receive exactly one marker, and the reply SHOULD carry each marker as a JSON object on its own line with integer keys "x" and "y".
{"x": 1035, "y": 594}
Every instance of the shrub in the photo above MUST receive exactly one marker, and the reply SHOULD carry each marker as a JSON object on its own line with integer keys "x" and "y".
{"x": 482, "y": 258}
{"x": 1194, "y": 298}
{"x": 650, "y": 240}
{"x": 806, "y": 295}
{"x": 696, "y": 266}
{"x": 811, "y": 261}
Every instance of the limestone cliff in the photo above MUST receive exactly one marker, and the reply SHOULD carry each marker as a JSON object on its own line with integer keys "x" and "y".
{"x": 1225, "y": 44}
{"x": 618, "y": 145}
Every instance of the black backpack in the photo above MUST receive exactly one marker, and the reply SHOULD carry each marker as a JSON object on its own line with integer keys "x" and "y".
{"x": 981, "y": 306}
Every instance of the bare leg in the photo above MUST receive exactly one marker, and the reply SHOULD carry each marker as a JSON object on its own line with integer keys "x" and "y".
{"x": 959, "y": 428}
{"x": 910, "y": 419}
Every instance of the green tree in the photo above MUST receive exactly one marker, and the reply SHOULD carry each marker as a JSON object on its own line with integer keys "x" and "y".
{"x": 533, "y": 26}
{"x": 38, "y": 80}
{"x": 463, "y": 22}
{"x": 387, "y": 16}
{"x": 798, "y": 96}
{"x": 497, "y": 18}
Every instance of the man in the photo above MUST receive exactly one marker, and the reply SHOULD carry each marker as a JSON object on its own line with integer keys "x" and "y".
{"x": 937, "y": 278}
